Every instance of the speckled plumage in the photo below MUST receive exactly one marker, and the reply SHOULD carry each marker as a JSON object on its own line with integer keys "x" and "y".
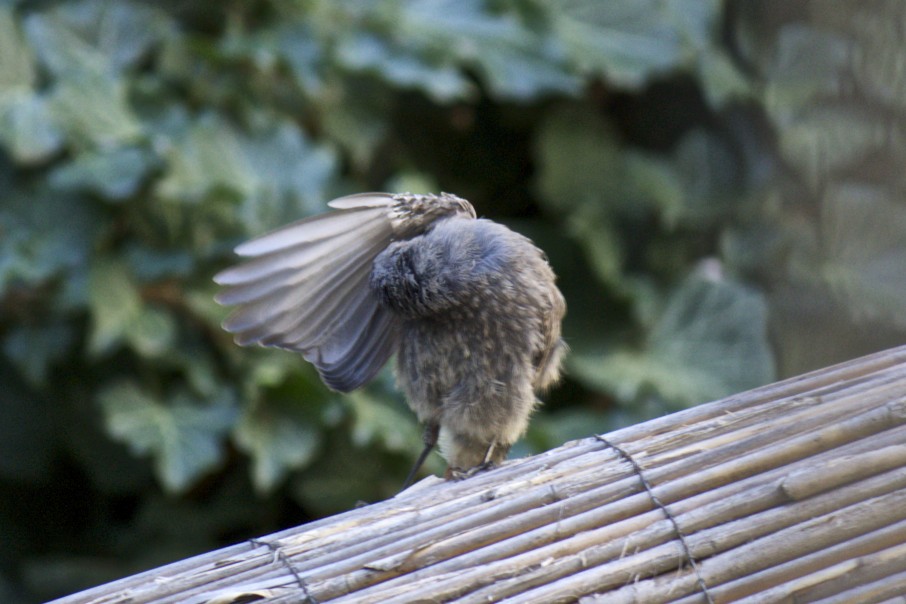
{"x": 470, "y": 307}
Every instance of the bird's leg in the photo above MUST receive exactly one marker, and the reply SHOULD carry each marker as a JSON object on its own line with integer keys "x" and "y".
{"x": 429, "y": 436}
{"x": 488, "y": 454}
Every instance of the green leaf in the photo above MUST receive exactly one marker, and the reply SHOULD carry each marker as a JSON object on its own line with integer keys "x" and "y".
{"x": 29, "y": 129}
{"x": 95, "y": 35}
{"x": 61, "y": 49}
{"x": 710, "y": 342}
{"x": 579, "y": 158}
{"x": 628, "y": 41}
{"x": 113, "y": 173}
{"x": 864, "y": 259}
{"x": 721, "y": 80}
{"x": 289, "y": 175}
{"x": 152, "y": 333}
{"x": 366, "y": 52}
{"x": 153, "y": 264}
{"x": 279, "y": 437}
{"x": 120, "y": 315}
{"x": 93, "y": 107}
{"x": 709, "y": 177}
{"x": 600, "y": 241}
{"x": 45, "y": 235}
{"x": 184, "y": 437}
{"x": 877, "y": 65}
{"x": 652, "y": 181}
{"x": 34, "y": 348}
{"x": 517, "y": 62}
{"x": 830, "y": 138}
{"x": 346, "y": 475}
{"x": 17, "y": 70}
{"x": 115, "y": 305}
{"x": 808, "y": 63}
{"x": 208, "y": 156}
{"x": 358, "y": 119}
{"x": 304, "y": 54}
{"x": 375, "y": 420}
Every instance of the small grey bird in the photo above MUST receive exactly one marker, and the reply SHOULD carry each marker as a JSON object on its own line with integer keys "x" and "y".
{"x": 469, "y": 307}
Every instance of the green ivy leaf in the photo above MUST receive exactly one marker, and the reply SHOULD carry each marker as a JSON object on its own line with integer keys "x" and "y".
{"x": 28, "y": 128}
{"x": 878, "y": 66}
{"x": 184, "y": 436}
{"x": 358, "y": 120}
{"x": 114, "y": 302}
{"x": 830, "y": 138}
{"x": 113, "y": 173}
{"x": 152, "y": 333}
{"x": 517, "y": 62}
{"x": 376, "y": 420}
{"x": 45, "y": 235}
{"x": 95, "y": 35}
{"x": 93, "y": 107}
{"x": 304, "y": 54}
{"x": 709, "y": 342}
{"x": 279, "y": 437}
{"x": 864, "y": 259}
{"x": 366, "y": 52}
{"x": 34, "y": 348}
{"x": 206, "y": 157}
{"x": 289, "y": 175}
{"x": 17, "y": 69}
{"x": 628, "y": 41}
{"x": 709, "y": 178}
{"x": 808, "y": 63}
{"x": 721, "y": 79}
{"x": 579, "y": 159}
{"x": 600, "y": 241}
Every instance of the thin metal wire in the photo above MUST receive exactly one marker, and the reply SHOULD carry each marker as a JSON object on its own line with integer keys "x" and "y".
{"x": 667, "y": 513}
{"x": 279, "y": 555}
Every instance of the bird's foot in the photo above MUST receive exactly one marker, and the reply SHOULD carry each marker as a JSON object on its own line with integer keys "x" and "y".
{"x": 460, "y": 474}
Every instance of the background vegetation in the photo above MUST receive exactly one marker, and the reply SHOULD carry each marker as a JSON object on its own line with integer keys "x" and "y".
{"x": 718, "y": 184}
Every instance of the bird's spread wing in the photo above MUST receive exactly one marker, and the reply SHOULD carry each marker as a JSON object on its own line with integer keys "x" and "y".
{"x": 305, "y": 288}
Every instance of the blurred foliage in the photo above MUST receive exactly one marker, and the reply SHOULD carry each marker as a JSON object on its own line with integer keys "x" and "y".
{"x": 718, "y": 183}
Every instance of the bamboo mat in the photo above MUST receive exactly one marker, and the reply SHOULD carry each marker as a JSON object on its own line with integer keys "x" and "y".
{"x": 795, "y": 491}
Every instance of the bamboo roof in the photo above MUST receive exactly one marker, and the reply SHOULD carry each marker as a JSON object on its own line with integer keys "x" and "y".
{"x": 795, "y": 491}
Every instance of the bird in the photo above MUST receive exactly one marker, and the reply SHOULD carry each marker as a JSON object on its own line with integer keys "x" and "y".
{"x": 469, "y": 307}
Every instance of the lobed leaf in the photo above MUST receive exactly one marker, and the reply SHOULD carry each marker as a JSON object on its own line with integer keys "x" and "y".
{"x": 279, "y": 438}
{"x": 709, "y": 342}
{"x": 184, "y": 436}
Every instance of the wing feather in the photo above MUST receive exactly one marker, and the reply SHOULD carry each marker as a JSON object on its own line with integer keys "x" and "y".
{"x": 358, "y": 364}
{"x": 362, "y": 200}
{"x": 316, "y": 228}
{"x": 305, "y": 288}
{"x": 292, "y": 304}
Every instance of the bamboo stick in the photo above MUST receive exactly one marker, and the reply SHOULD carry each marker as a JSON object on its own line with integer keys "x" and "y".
{"x": 879, "y": 576}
